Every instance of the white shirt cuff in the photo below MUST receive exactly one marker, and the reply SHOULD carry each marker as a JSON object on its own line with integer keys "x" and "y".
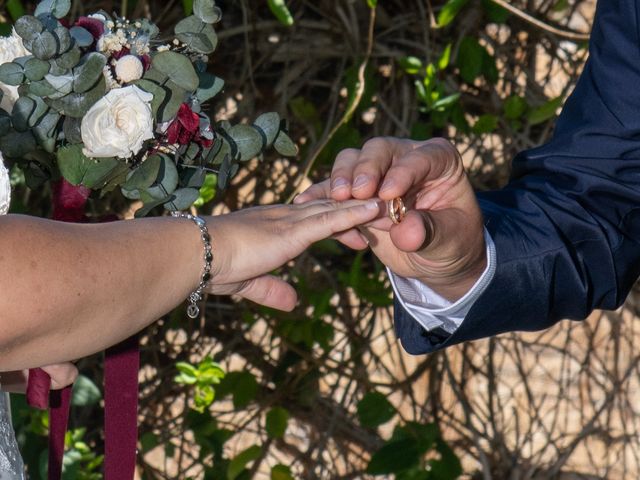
{"x": 432, "y": 310}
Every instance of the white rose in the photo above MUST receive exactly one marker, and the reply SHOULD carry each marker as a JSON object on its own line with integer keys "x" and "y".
{"x": 118, "y": 124}
{"x": 10, "y": 49}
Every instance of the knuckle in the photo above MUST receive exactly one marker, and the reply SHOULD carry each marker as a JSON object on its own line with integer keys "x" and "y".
{"x": 376, "y": 143}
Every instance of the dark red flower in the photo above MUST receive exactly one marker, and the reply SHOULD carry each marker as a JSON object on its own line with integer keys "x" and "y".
{"x": 121, "y": 53}
{"x": 146, "y": 62}
{"x": 94, "y": 26}
{"x": 69, "y": 201}
{"x": 185, "y": 127}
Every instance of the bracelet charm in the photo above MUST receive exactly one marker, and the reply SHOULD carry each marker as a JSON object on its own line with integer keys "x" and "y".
{"x": 193, "y": 310}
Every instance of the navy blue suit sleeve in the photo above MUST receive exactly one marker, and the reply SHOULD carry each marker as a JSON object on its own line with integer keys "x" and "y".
{"x": 567, "y": 226}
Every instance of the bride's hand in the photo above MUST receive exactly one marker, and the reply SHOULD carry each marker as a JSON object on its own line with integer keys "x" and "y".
{"x": 249, "y": 243}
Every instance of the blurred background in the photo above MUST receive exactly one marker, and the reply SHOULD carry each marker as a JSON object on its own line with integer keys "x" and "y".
{"x": 326, "y": 392}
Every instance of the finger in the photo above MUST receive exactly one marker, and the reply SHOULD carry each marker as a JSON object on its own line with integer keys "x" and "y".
{"x": 269, "y": 291}
{"x": 352, "y": 239}
{"x": 342, "y": 173}
{"x": 374, "y": 160}
{"x": 317, "y": 191}
{"x": 325, "y": 220}
{"x": 62, "y": 374}
{"x": 433, "y": 160}
{"x": 414, "y": 233}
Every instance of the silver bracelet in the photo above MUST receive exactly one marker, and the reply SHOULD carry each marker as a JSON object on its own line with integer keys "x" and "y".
{"x": 196, "y": 296}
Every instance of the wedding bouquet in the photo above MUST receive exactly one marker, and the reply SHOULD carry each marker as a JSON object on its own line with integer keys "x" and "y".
{"x": 105, "y": 103}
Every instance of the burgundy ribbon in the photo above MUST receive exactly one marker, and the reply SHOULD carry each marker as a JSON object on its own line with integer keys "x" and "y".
{"x": 121, "y": 367}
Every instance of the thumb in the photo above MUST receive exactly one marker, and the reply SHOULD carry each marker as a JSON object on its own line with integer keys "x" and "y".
{"x": 270, "y": 291}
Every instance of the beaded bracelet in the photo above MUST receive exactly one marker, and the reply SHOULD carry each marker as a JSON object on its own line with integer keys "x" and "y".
{"x": 193, "y": 310}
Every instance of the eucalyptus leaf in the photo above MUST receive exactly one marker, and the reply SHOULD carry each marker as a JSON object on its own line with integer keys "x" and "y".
{"x": 206, "y": 11}
{"x": 182, "y": 199}
{"x": 71, "y": 129}
{"x": 22, "y": 110}
{"x": 17, "y": 144}
{"x": 67, "y": 60}
{"x": 57, "y": 8}
{"x": 72, "y": 163}
{"x": 150, "y": 205}
{"x": 87, "y": 73}
{"x": 155, "y": 75}
{"x": 64, "y": 38}
{"x": 284, "y": 145}
{"x": 42, "y": 88}
{"x": 35, "y": 69}
{"x": 11, "y": 74}
{"x": 39, "y": 111}
{"x": 174, "y": 97}
{"x": 269, "y": 125}
{"x": 62, "y": 84}
{"x": 27, "y": 27}
{"x": 43, "y": 45}
{"x": 197, "y": 35}
{"x": 82, "y": 36}
{"x": 248, "y": 140}
{"x": 220, "y": 149}
{"x": 85, "y": 392}
{"x": 208, "y": 87}
{"x": 5, "y": 122}
{"x": 98, "y": 171}
{"x": 178, "y": 68}
{"x": 159, "y": 93}
{"x": 224, "y": 172}
{"x": 77, "y": 104}
{"x": 166, "y": 181}
{"x": 144, "y": 175}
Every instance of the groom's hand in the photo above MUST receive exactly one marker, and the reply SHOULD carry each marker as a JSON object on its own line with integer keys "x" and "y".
{"x": 440, "y": 241}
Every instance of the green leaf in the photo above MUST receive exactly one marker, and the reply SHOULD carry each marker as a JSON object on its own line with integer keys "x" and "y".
{"x": 11, "y": 73}
{"x": 17, "y": 144}
{"x": 269, "y": 125}
{"x": 144, "y": 175}
{"x": 445, "y": 58}
{"x": 206, "y": 11}
{"x": 411, "y": 65}
{"x": 166, "y": 181}
{"x": 57, "y": 8}
{"x": 248, "y": 140}
{"x": 178, "y": 68}
{"x": 208, "y": 87}
{"x": 72, "y": 163}
{"x": 182, "y": 199}
{"x": 198, "y": 35}
{"x": 15, "y": 9}
{"x": 394, "y": 457}
{"x": 242, "y": 385}
{"x": 22, "y": 110}
{"x": 207, "y": 190}
{"x": 64, "y": 38}
{"x": 281, "y": 472}
{"x": 374, "y": 409}
{"x": 71, "y": 129}
{"x": 35, "y": 69}
{"x": 281, "y": 12}
{"x": 85, "y": 392}
{"x": 28, "y": 27}
{"x": 43, "y": 45}
{"x": 46, "y": 131}
{"x": 98, "y": 172}
{"x": 160, "y": 96}
{"x": 485, "y": 124}
{"x": 240, "y": 461}
{"x": 446, "y": 102}
{"x": 148, "y": 206}
{"x": 470, "y": 57}
{"x": 372, "y": 3}
{"x": 277, "y": 419}
{"x": 449, "y": 11}
{"x": 77, "y": 104}
{"x": 495, "y": 13}
{"x": 62, "y": 84}
{"x": 545, "y": 111}
{"x": 284, "y": 145}
{"x": 88, "y": 72}
{"x": 514, "y": 107}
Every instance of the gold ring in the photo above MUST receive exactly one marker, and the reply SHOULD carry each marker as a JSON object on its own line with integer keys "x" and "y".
{"x": 396, "y": 210}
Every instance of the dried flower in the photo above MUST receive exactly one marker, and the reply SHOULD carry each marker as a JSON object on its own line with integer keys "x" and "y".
{"x": 129, "y": 68}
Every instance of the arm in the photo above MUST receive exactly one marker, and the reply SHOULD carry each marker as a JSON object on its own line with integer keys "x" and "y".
{"x": 69, "y": 290}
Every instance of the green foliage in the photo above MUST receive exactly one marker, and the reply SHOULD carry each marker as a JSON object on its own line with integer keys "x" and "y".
{"x": 374, "y": 409}
{"x": 281, "y": 12}
{"x": 277, "y": 419}
{"x": 449, "y": 11}
{"x": 202, "y": 377}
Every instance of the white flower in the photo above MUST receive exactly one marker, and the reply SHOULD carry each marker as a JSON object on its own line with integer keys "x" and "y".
{"x": 118, "y": 124}
{"x": 108, "y": 78}
{"x": 10, "y": 49}
{"x": 129, "y": 68}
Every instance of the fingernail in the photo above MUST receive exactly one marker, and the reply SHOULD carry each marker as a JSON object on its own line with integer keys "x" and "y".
{"x": 386, "y": 185}
{"x": 373, "y": 204}
{"x": 361, "y": 181}
{"x": 339, "y": 182}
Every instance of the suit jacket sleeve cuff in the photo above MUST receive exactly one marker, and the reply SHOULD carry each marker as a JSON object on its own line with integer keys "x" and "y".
{"x": 433, "y": 311}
